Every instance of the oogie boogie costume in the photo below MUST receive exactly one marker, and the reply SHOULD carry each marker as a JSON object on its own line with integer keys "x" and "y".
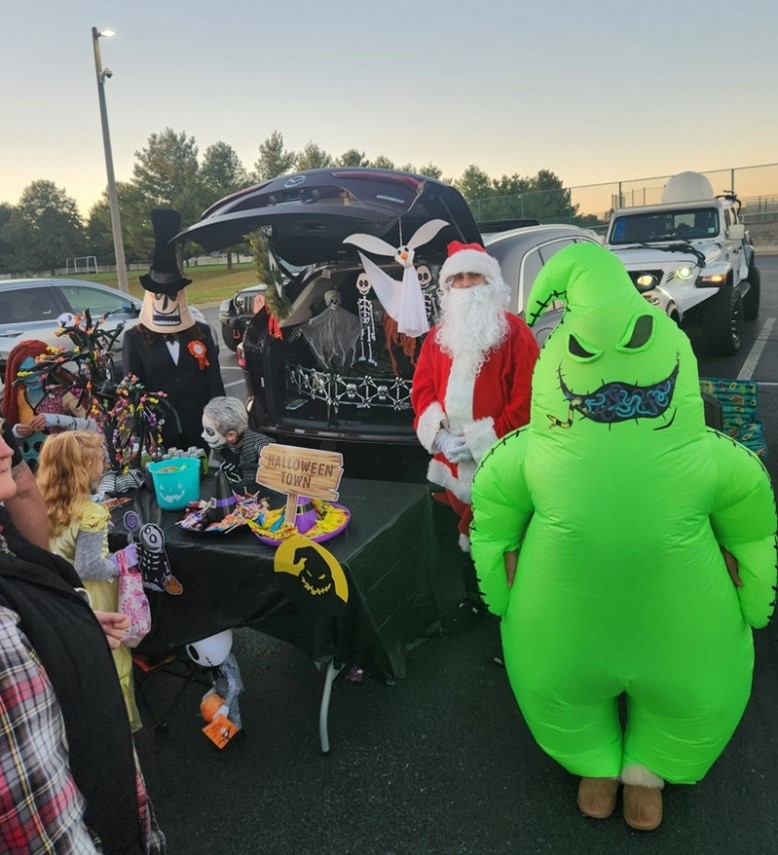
{"x": 619, "y": 499}
{"x": 169, "y": 351}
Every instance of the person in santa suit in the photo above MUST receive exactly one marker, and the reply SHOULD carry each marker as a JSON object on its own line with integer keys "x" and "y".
{"x": 169, "y": 351}
{"x": 472, "y": 380}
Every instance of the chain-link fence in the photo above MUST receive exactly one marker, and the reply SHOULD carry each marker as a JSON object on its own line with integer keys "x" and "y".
{"x": 591, "y": 204}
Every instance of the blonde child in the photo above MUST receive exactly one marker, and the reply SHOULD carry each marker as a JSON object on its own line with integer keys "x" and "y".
{"x": 70, "y": 468}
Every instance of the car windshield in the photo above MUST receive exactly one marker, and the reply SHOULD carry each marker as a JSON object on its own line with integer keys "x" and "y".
{"x": 675, "y": 224}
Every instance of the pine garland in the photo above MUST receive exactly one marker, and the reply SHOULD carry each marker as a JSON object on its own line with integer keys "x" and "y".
{"x": 278, "y": 304}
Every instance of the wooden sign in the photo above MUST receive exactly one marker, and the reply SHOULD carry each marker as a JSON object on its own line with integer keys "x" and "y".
{"x": 300, "y": 471}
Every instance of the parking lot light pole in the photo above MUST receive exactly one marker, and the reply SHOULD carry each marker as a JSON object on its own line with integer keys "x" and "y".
{"x": 113, "y": 199}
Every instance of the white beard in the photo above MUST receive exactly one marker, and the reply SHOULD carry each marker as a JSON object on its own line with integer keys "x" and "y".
{"x": 472, "y": 322}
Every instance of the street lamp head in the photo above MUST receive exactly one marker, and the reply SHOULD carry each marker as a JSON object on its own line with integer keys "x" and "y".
{"x": 105, "y": 33}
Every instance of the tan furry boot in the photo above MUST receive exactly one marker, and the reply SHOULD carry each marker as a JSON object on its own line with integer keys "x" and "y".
{"x": 597, "y": 796}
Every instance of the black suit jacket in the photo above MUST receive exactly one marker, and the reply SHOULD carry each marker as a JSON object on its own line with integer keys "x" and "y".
{"x": 188, "y": 386}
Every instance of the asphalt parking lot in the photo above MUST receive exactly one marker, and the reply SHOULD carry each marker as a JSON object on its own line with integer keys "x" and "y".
{"x": 442, "y": 762}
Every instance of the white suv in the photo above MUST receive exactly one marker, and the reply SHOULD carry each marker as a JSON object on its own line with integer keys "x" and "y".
{"x": 692, "y": 256}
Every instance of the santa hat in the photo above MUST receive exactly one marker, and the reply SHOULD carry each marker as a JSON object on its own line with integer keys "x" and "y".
{"x": 164, "y": 277}
{"x": 468, "y": 258}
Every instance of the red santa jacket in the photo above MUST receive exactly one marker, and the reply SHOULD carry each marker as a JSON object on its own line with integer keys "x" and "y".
{"x": 481, "y": 407}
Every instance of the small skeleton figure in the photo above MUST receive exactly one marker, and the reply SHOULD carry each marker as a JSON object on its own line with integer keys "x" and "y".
{"x": 366, "y": 320}
{"x": 214, "y": 653}
{"x": 431, "y": 304}
{"x": 153, "y": 562}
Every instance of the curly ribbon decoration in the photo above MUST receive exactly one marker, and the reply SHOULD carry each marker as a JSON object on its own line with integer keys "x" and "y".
{"x": 198, "y": 350}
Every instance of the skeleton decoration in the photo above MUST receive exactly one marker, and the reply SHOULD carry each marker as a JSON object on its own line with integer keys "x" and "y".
{"x": 332, "y": 335}
{"x": 404, "y": 300}
{"x": 366, "y": 320}
{"x": 430, "y": 291}
{"x": 153, "y": 562}
{"x": 215, "y": 654}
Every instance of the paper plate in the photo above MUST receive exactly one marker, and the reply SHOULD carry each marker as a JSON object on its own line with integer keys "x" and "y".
{"x": 326, "y": 527}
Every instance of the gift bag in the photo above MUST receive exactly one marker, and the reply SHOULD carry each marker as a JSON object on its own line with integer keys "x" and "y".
{"x": 133, "y": 602}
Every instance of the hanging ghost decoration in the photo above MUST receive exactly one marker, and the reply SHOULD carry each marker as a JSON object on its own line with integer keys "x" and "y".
{"x": 403, "y": 300}
{"x": 619, "y": 501}
{"x": 332, "y": 335}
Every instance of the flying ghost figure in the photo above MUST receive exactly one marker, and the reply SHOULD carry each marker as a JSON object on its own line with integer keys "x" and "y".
{"x": 402, "y": 300}
{"x": 619, "y": 502}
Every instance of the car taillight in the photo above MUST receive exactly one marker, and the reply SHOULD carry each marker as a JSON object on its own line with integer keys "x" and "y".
{"x": 241, "y": 355}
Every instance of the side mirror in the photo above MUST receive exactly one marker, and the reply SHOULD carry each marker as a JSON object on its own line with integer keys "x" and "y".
{"x": 737, "y": 231}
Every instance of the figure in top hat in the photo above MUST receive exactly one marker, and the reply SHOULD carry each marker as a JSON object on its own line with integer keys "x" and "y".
{"x": 168, "y": 350}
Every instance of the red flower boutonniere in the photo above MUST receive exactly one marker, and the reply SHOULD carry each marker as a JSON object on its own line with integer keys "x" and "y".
{"x": 198, "y": 350}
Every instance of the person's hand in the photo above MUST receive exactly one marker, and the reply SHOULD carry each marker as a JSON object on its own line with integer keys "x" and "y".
{"x": 37, "y": 423}
{"x": 114, "y": 625}
{"x": 452, "y": 447}
{"x": 131, "y": 555}
{"x": 732, "y": 567}
{"x": 511, "y": 559}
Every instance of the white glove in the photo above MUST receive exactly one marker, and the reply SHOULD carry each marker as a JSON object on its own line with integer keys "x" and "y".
{"x": 453, "y": 448}
{"x": 222, "y": 711}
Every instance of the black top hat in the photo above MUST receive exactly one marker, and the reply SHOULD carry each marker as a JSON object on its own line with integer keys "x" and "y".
{"x": 164, "y": 277}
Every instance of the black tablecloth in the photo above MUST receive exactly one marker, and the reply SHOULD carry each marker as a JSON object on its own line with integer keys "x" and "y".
{"x": 388, "y": 553}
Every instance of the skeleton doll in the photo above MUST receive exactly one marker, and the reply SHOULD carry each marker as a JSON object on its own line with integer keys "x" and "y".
{"x": 431, "y": 303}
{"x": 153, "y": 562}
{"x": 366, "y": 320}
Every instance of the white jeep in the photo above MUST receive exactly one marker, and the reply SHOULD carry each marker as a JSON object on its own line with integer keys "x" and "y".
{"x": 692, "y": 256}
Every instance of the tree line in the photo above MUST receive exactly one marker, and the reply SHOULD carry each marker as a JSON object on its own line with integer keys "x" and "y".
{"x": 45, "y": 227}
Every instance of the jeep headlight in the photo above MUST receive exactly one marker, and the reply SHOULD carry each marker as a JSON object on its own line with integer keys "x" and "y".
{"x": 646, "y": 280}
{"x": 713, "y": 279}
{"x": 685, "y": 272}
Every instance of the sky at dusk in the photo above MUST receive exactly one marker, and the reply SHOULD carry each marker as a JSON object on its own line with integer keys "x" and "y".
{"x": 593, "y": 92}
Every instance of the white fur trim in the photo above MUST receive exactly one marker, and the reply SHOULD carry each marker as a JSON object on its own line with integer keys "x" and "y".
{"x": 460, "y": 388}
{"x": 480, "y": 437}
{"x": 640, "y": 776}
{"x": 464, "y": 542}
{"x": 439, "y": 473}
{"x": 428, "y": 425}
{"x": 470, "y": 261}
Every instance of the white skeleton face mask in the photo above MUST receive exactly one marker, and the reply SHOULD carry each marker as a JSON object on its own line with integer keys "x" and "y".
{"x": 211, "y": 433}
{"x": 425, "y": 277}
{"x": 363, "y": 284}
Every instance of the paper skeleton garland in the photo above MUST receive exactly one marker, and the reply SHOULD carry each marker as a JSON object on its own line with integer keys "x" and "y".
{"x": 403, "y": 300}
{"x": 366, "y": 320}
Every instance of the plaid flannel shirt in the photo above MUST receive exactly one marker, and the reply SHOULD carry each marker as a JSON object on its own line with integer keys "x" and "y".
{"x": 41, "y": 808}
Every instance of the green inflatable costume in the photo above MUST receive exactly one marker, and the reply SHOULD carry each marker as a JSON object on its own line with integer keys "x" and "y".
{"x": 619, "y": 499}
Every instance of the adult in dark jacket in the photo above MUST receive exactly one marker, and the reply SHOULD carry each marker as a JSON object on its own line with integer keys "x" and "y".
{"x": 168, "y": 351}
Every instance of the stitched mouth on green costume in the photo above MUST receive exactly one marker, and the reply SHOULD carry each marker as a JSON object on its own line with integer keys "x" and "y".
{"x": 620, "y": 402}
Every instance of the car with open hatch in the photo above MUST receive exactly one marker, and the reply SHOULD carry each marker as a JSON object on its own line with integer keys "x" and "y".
{"x": 334, "y": 366}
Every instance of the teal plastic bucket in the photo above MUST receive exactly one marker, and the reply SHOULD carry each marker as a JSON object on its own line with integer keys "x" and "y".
{"x": 176, "y": 482}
